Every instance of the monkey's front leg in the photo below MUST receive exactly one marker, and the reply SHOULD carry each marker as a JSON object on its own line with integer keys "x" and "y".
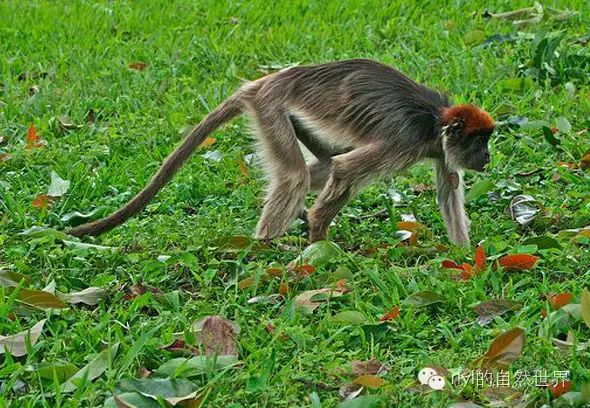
{"x": 349, "y": 173}
{"x": 449, "y": 185}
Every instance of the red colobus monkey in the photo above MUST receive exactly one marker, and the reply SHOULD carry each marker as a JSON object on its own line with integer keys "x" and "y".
{"x": 360, "y": 119}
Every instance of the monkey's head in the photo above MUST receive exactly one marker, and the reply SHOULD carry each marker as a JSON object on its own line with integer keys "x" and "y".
{"x": 466, "y": 132}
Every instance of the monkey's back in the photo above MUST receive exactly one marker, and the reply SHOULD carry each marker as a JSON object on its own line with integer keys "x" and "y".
{"x": 358, "y": 99}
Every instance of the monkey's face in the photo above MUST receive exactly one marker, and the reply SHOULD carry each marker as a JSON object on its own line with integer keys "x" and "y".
{"x": 476, "y": 153}
{"x": 467, "y": 150}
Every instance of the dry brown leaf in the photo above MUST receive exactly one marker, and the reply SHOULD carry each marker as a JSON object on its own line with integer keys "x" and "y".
{"x": 208, "y": 142}
{"x": 369, "y": 381}
{"x": 505, "y": 349}
{"x": 217, "y": 336}
{"x": 369, "y": 367}
{"x": 16, "y": 344}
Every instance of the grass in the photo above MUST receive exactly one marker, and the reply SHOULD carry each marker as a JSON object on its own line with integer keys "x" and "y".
{"x": 197, "y": 53}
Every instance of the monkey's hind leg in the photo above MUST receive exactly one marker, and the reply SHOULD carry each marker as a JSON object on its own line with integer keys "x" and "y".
{"x": 287, "y": 171}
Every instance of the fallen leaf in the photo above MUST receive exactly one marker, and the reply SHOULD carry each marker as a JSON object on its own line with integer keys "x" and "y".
{"x": 59, "y": 371}
{"x": 310, "y": 300}
{"x": 217, "y": 336}
{"x": 317, "y": 255}
{"x": 39, "y": 299}
{"x": 139, "y": 289}
{"x": 391, "y": 315}
{"x": 92, "y": 370}
{"x": 348, "y": 392}
{"x": 284, "y": 288}
{"x": 32, "y": 140}
{"x": 243, "y": 166}
{"x": 198, "y": 365}
{"x": 349, "y": 317}
{"x": 75, "y": 215}
{"x": 58, "y": 186}
{"x": 505, "y": 349}
{"x": 521, "y": 209}
{"x": 557, "y": 301}
{"x": 66, "y": 123}
{"x": 90, "y": 296}
{"x": 519, "y": 262}
{"x": 369, "y": 367}
{"x": 4, "y": 157}
{"x": 486, "y": 311}
{"x": 138, "y": 66}
{"x": 246, "y": 282}
{"x": 173, "y": 391}
{"x": 369, "y": 381}
{"x": 143, "y": 372}
{"x": 557, "y": 390}
{"x": 10, "y": 279}
{"x": 208, "y": 142}
{"x": 448, "y": 264}
{"x": 424, "y": 298}
{"x": 480, "y": 259}
{"x": 16, "y": 344}
{"x": 42, "y": 201}
{"x": 543, "y": 242}
{"x": 214, "y": 155}
{"x": 585, "y": 160}
{"x": 179, "y": 346}
{"x": 130, "y": 400}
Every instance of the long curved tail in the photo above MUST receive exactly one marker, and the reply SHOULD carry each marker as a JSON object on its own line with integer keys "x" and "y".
{"x": 224, "y": 112}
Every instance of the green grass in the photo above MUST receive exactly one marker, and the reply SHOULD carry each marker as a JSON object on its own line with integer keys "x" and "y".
{"x": 197, "y": 54}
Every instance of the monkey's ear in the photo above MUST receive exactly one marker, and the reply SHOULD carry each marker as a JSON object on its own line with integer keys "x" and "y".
{"x": 454, "y": 129}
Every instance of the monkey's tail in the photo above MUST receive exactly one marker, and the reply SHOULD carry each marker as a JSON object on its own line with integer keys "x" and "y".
{"x": 223, "y": 113}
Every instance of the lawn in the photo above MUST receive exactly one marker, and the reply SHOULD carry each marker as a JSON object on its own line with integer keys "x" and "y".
{"x": 95, "y": 94}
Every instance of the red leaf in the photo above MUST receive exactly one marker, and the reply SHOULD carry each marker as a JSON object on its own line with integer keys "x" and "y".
{"x": 480, "y": 259}
{"x": 543, "y": 313}
{"x": 32, "y": 139}
{"x": 467, "y": 271}
{"x": 560, "y": 388}
{"x": 559, "y": 300}
{"x": 304, "y": 270}
{"x": 448, "y": 264}
{"x": 520, "y": 262}
{"x": 392, "y": 315}
{"x": 42, "y": 201}
{"x": 138, "y": 66}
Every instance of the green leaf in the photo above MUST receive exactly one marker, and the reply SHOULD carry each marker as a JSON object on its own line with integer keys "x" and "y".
{"x": 92, "y": 370}
{"x": 550, "y": 137}
{"x": 189, "y": 367}
{"x": 43, "y": 232}
{"x": 563, "y": 125}
{"x": 130, "y": 400}
{"x": 83, "y": 245}
{"x": 478, "y": 189}
{"x": 543, "y": 242}
{"x": 58, "y": 186}
{"x": 424, "y": 298}
{"x": 516, "y": 84}
{"x": 60, "y": 371}
{"x": 173, "y": 391}
{"x": 474, "y": 37}
{"x": 585, "y": 304}
{"x": 317, "y": 254}
{"x": 351, "y": 317}
{"x": 365, "y": 401}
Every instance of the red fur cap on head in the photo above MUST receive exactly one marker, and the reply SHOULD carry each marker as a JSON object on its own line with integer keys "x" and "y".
{"x": 473, "y": 117}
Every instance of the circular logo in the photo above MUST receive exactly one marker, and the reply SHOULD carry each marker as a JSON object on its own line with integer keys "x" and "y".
{"x": 429, "y": 376}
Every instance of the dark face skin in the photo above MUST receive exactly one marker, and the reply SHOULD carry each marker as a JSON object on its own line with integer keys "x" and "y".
{"x": 475, "y": 149}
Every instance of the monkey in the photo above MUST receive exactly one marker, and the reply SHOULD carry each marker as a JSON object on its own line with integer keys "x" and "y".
{"x": 360, "y": 119}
